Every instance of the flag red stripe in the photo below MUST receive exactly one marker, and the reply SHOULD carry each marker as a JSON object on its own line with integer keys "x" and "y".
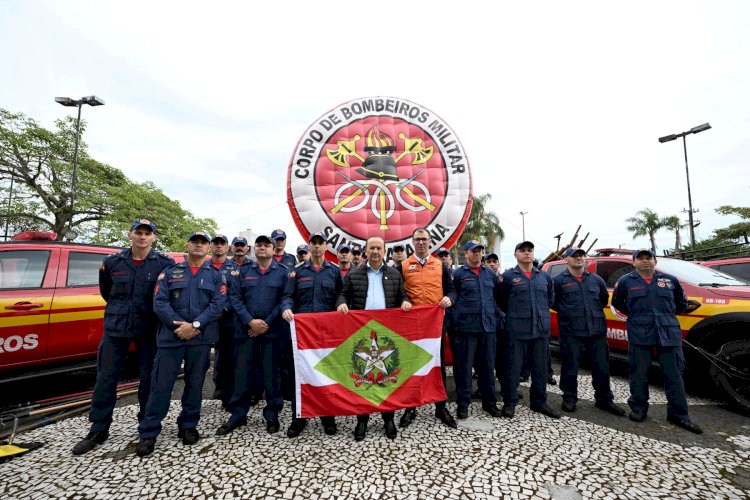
{"x": 411, "y": 325}
{"x": 336, "y": 399}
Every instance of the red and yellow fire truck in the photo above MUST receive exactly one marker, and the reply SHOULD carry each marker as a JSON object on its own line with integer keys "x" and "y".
{"x": 716, "y": 327}
{"x": 50, "y": 308}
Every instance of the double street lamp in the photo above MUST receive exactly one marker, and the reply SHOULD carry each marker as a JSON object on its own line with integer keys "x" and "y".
{"x": 91, "y": 100}
{"x": 672, "y": 137}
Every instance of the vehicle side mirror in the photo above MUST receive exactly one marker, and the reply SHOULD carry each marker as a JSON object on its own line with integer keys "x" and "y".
{"x": 692, "y": 305}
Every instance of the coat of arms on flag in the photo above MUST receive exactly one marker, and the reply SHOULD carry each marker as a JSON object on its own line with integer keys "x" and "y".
{"x": 367, "y": 361}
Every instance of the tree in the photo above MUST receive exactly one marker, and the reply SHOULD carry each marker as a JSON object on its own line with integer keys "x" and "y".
{"x": 673, "y": 223}
{"x": 734, "y": 232}
{"x": 645, "y": 223}
{"x": 483, "y": 224}
{"x": 174, "y": 223}
{"x": 39, "y": 162}
{"x": 36, "y": 172}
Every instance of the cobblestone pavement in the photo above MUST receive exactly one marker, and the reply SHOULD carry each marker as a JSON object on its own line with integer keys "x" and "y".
{"x": 586, "y": 454}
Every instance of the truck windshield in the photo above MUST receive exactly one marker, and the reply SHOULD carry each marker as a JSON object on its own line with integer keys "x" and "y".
{"x": 697, "y": 275}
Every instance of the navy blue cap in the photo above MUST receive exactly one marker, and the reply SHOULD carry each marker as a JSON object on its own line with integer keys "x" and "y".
{"x": 356, "y": 249}
{"x": 443, "y": 251}
{"x": 643, "y": 250}
{"x": 220, "y": 237}
{"x": 344, "y": 247}
{"x": 278, "y": 234}
{"x": 303, "y": 248}
{"x": 239, "y": 240}
{"x": 399, "y": 245}
{"x": 316, "y": 235}
{"x": 525, "y": 244}
{"x": 570, "y": 251}
{"x": 263, "y": 237}
{"x": 472, "y": 244}
{"x": 143, "y": 222}
{"x": 200, "y": 234}
{"x": 491, "y": 255}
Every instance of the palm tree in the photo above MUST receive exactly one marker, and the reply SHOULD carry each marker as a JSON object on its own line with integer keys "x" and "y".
{"x": 483, "y": 224}
{"x": 646, "y": 223}
{"x": 673, "y": 223}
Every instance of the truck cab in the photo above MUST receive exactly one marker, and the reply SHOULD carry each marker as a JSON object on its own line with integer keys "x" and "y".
{"x": 51, "y": 312}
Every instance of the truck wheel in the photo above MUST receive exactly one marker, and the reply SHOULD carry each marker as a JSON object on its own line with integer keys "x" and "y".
{"x": 732, "y": 373}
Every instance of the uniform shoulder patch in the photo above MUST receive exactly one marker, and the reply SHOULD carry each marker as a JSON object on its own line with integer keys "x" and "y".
{"x": 293, "y": 274}
{"x": 223, "y": 289}
{"x": 161, "y": 276}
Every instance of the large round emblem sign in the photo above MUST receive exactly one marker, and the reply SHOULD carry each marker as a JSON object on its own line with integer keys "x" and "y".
{"x": 380, "y": 166}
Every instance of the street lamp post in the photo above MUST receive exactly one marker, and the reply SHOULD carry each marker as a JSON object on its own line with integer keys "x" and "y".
{"x": 91, "y": 100}
{"x": 7, "y": 216}
{"x": 523, "y": 225}
{"x": 672, "y": 137}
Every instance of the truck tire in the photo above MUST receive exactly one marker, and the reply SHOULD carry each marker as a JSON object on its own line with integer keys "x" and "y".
{"x": 732, "y": 373}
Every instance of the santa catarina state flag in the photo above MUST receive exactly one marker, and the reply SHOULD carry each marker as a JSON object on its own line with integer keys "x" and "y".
{"x": 367, "y": 361}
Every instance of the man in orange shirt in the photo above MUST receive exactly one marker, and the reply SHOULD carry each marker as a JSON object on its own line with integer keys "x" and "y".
{"x": 427, "y": 280}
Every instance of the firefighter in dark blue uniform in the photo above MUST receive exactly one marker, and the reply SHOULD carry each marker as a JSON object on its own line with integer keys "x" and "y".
{"x": 239, "y": 250}
{"x": 444, "y": 254}
{"x": 188, "y": 299}
{"x": 223, "y": 375}
{"x": 126, "y": 282}
{"x": 279, "y": 241}
{"x": 312, "y": 287}
{"x": 652, "y": 299}
{"x": 526, "y": 365}
{"x": 493, "y": 262}
{"x": 356, "y": 255}
{"x": 258, "y": 340}
{"x": 580, "y": 299}
{"x": 239, "y": 257}
{"x": 303, "y": 253}
{"x": 287, "y": 363}
{"x": 526, "y": 296}
{"x": 477, "y": 289}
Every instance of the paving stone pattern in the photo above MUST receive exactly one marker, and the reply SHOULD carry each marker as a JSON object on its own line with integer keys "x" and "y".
{"x": 587, "y": 454}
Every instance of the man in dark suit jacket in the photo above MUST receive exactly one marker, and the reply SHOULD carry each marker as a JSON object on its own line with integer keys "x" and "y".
{"x": 373, "y": 285}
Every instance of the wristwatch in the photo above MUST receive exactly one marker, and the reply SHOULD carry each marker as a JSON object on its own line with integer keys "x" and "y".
{"x": 197, "y": 325}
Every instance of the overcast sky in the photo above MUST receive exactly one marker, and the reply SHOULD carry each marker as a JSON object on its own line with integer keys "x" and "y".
{"x": 558, "y": 105}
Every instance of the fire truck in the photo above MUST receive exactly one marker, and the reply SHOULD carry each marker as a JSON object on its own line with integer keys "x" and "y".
{"x": 51, "y": 313}
{"x": 715, "y": 329}
{"x": 50, "y": 309}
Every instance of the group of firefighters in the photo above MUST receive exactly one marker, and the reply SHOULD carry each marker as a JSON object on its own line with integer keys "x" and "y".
{"x": 497, "y": 323}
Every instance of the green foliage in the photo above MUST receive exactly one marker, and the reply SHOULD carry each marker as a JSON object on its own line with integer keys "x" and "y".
{"x": 483, "y": 225}
{"x": 36, "y": 172}
{"x": 737, "y": 231}
{"x": 743, "y": 212}
{"x": 645, "y": 223}
{"x": 174, "y": 223}
{"x": 674, "y": 224}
